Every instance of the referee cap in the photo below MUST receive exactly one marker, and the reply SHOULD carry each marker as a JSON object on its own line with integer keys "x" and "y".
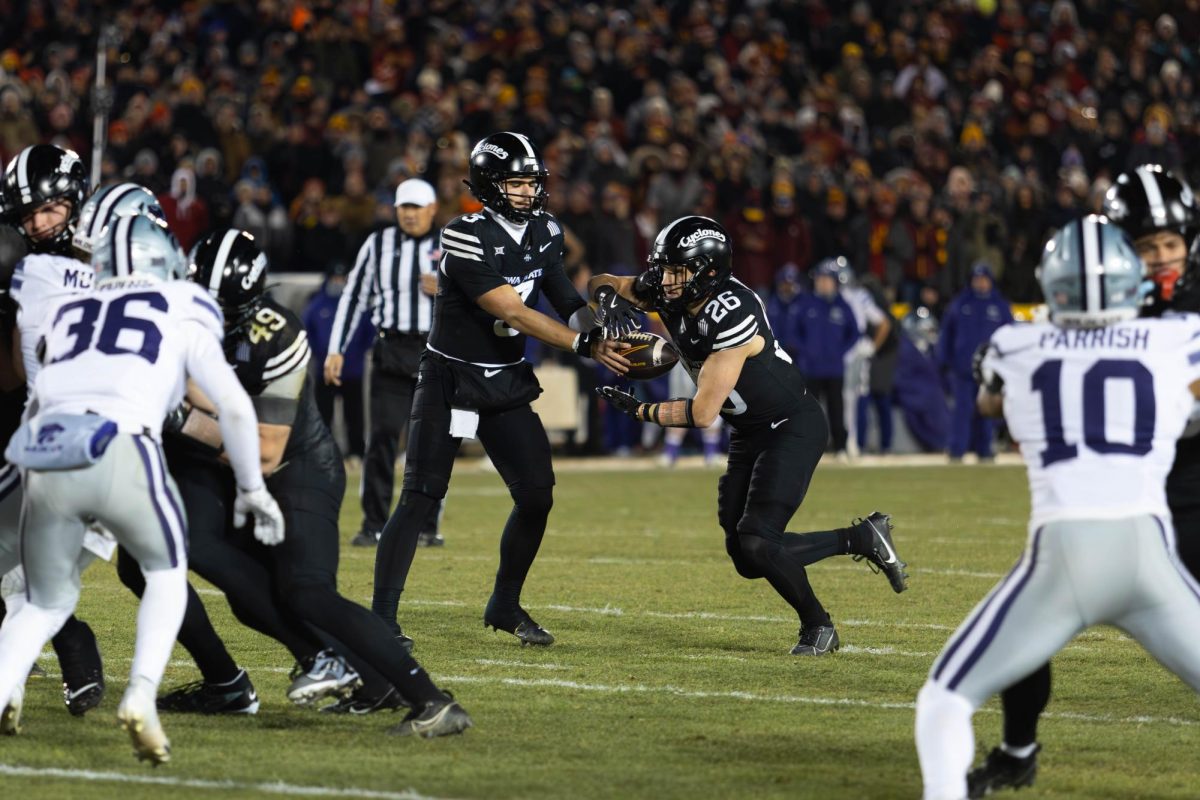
{"x": 415, "y": 192}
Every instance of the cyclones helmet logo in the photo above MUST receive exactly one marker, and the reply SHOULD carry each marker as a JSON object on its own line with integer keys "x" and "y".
{"x": 693, "y": 239}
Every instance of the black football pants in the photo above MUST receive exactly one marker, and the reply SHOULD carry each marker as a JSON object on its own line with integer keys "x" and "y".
{"x": 768, "y": 476}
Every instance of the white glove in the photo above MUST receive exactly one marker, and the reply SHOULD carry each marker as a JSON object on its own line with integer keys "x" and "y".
{"x": 268, "y": 520}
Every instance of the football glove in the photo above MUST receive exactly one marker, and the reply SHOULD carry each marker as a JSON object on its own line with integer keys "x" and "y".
{"x": 615, "y": 314}
{"x": 582, "y": 346}
{"x": 993, "y": 382}
{"x": 173, "y": 422}
{"x": 268, "y": 520}
{"x": 621, "y": 400}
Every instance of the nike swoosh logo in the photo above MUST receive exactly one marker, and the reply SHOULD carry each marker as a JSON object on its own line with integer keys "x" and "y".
{"x": 891, "y": 559}
{"x": 613, "y": 304}
{"x": 487, "y": 373}
{"x": 78, "y": 692}
{"x": 694, "y": 339}
{"x": 775, "y": 425}
{"x": 543, "y": 247}
{"x": 253, "y": 696}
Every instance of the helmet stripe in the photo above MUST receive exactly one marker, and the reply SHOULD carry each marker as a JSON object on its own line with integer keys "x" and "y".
{"x": 1154, "y": 197}
{"x": 520, "y": 137}
{"x": 1089, "y": 264}
{"x": 121, "y": 247}
{"x": 218, "y": 269}
{"x": 23, "y": 175}
{"x": 104, "y": 209}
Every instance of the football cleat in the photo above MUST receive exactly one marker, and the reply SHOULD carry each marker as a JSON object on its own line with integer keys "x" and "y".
{"x": 1002, "y": 771}
{"x": 430, "y": 539}
{"x": 405, "y": 641}
{"x": 366, "y": 538}
{"x": 436, "y": 718}
{"x": 817, "y": 641}
{"x": 517, "y": 622}
{"x": 10, "y": 718}
{"x": 236, "y": 697}
{"x": 139, "y": 717}
{"x": 359, "y": 703}
{"x": 326, "y": 674}
{"x": 882, "y": 556}
{"x": 82, "y": 669}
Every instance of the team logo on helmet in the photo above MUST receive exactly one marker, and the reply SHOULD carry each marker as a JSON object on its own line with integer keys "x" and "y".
{"x": 256, "y": 269}
{"x": 496, "y": 150}
{"x": 696, "y": 237}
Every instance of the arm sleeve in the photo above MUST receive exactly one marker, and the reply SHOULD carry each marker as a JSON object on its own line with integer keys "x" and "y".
{"x": 561, "y": 292}
{"x": 355, "y": 298}
{"x": 239, "y": 426}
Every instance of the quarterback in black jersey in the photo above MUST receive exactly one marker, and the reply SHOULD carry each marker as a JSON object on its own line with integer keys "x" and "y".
{"x": 779, "y": 432}
{"x": 474, "y": 381}
{"x": 266, "y": 344}
{"x": 1158, "y": 211}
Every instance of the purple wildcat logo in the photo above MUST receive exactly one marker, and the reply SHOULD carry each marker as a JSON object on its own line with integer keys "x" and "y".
{"x": 49, "y": 433}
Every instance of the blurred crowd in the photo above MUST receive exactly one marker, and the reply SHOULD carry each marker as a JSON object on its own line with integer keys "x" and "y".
{"x": 922, "y": 140}
{"x": 917, "y": 138}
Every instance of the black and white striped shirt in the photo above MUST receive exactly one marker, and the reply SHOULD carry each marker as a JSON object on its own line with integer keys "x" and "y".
{"x": 387, "y": 279}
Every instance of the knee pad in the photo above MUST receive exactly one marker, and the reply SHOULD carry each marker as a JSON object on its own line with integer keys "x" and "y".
{"x": 744, "y": 566}
{"x": 534, "y": 501}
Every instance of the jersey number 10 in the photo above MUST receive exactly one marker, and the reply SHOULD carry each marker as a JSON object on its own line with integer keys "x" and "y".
{"x": 1047, "y": 380}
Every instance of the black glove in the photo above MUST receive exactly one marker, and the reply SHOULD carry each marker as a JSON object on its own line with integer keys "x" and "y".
{"x": 173, "y": 423}
{"x": 647, "y": 286}
{"x": 620, "y": 400}
{"x": 997, "y": 383}
{"x": 584, "y": 341}
{"x": 615, "y": 314}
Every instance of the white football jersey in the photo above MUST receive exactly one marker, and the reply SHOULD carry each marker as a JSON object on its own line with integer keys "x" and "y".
{"x": 124, "y": 351}
{"x": 39, "y": 282}
{"x": 1097, "y": 412}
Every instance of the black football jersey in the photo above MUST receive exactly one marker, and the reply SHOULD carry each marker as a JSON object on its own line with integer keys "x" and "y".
{"x": 770, "y": 387}
{"x": 271, "y": 350}
{"x": 478, "y": 255}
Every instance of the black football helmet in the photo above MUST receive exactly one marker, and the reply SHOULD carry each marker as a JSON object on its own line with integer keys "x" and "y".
{"x": 1150, "y": 199}
{"x": 702, "y": 246}
{"x": 500, "y": 157}
{"x": 40, "y": 174}
{"x": 229, "y": 264}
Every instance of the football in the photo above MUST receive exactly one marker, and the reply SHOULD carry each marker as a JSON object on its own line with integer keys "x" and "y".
{"x": 650, "y": 355}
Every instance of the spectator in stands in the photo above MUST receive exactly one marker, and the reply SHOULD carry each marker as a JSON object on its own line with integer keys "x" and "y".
{"x": 186, "y": 212}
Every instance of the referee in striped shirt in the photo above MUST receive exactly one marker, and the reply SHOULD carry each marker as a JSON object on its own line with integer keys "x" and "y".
{"x": 395, "y": 277}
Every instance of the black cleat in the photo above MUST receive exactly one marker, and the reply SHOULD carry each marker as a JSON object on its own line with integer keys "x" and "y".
{"x": 405, "y": 641}
{"x": 517, "y": 622}
{"x": 882, "y": 555}
{"x": 366, "y": 538}
{"x": 1002, "y": 771}
{"x": 236, "y": 697}
{"x": 430, "y": 539}
{"x": 360, "y": 703}
{"x": 817, "y": 641}
{"x": 82, "y": 670}
{"x": 437, "y": 718}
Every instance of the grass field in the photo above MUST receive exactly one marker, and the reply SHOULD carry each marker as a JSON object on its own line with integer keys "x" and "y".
{"x": 670, "y": 678}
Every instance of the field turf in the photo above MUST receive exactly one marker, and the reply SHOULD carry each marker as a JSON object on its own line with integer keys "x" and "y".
{"x": 671, "y": 676}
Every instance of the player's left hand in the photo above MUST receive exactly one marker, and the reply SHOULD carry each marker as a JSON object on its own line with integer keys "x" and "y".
{"x": 268, "y": 519}
{"x": 615, "y": 314}
{"x": 621, "y": 400}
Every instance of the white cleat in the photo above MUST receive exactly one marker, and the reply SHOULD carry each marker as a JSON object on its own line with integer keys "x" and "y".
{"x": 10, "y": 719}
{"x": 139, "y": 717}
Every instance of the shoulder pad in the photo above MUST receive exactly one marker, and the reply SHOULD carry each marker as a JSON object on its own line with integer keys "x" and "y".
{"x": 197, "y": 304}
{"x": 463, "y": 238}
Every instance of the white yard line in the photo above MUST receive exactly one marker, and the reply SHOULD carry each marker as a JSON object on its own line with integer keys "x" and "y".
{"x": 273, "y": 787}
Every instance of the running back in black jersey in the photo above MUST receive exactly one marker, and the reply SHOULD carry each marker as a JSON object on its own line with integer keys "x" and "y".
{"x": 270, "y": 357}
{"x": 478, "y": 255}
{"x": 769, "y": 387}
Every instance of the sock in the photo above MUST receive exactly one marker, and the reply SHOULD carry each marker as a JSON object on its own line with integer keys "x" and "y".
{"x": 671, "y": 451}
{"x": 1023, "y": 704}
{"x": 787, "y": 576}
{"x": 1019, "y": 752}
{"x": 160, "y": 614}
{"x": 21, "y": 640}
{"x": 520, "y": 541}
{"x": 200, "y": 639}
{"x": 945, "y": 742}
{"x": 397, "y": 546}
{"x": 386, "y": 604}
